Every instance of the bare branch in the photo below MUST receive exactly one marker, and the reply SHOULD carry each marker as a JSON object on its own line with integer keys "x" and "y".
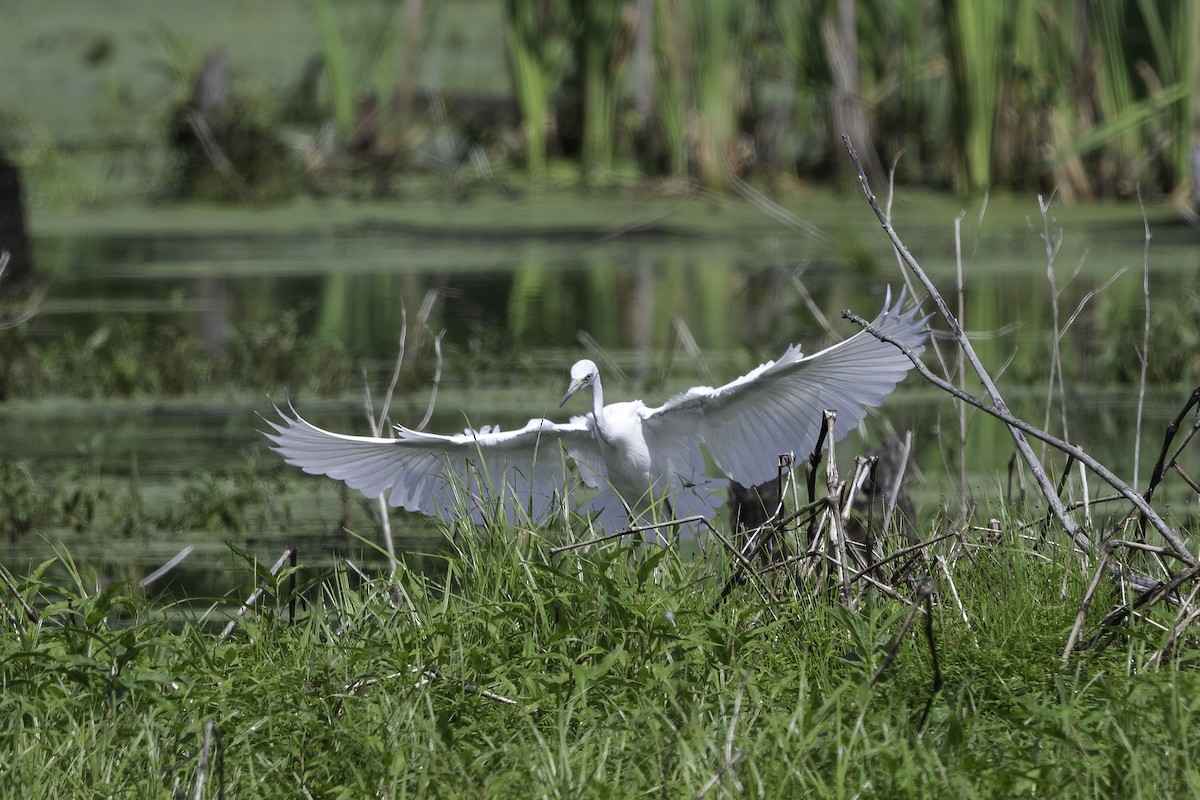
{"x": 956, "y": 328}
{"x": 1018, "y": 424}
{"x": 288, "y": 552}
{"x": 437, "y": 381}
{"x": 1144, "y": 354}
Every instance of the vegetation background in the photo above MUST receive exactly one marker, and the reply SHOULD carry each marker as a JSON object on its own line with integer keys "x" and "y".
{"x": 1085, "y": 99}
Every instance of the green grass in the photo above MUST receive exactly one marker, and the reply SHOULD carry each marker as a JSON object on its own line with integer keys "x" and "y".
{"x": 628, "y": 676}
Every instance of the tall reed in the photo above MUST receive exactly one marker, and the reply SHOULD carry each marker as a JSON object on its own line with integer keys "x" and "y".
{"x": 1089, "y": 98}
{"x": 975, "y": 43}
{"x": 337, "y": 73}
{"x": 720, "y": 41}
{"x": 1038, "y": 77}
{"x": 536, "y": 52}
{"x": 602, "y": 44}
{"x": 1173, "y": 40}
{"x": 906, "y": 88}
{"x": 672, "y": 60}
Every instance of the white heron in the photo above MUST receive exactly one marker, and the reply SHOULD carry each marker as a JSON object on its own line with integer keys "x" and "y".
{"x": 634, "y": 456}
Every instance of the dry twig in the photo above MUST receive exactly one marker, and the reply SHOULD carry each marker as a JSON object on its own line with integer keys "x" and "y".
{"x": 466, "y": 686}
{"x": 924, "y": 595}
{"x": 1148, "y": 596}
{"x": 30, "y": 614}
{"x": 711, "y": 782}
{"x": 167, "y": 567}
{"x": 1144, "y": 352}
{"x": 211, "y": 731}
{"x": 289, "y": 552}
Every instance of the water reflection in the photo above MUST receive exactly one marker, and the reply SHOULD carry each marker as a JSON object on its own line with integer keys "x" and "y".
{"x": 539, "y": 293}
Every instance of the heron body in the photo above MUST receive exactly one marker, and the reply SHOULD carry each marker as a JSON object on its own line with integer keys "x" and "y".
{"x": 636, "y": 467}
{"x": 634, "y": 456}
{"x": 621, "y": 439}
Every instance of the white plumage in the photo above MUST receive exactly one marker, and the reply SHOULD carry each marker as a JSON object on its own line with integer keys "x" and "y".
{"x": 633, "y": 455}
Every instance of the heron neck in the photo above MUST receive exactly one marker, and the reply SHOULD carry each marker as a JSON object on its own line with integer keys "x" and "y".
{"x": 598, "y": 406}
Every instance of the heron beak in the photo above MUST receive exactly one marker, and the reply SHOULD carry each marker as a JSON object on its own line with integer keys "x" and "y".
{"x": 572, "y": 389}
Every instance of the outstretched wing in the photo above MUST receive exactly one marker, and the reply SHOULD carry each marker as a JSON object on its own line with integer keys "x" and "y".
{"x": 778, "y": 407}
{"x": 522, "y": 474}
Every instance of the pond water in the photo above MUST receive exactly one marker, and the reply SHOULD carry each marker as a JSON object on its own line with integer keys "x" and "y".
{"x": 521, "y": 291}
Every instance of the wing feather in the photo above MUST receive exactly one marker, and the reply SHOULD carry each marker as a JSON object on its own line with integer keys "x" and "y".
{"x": 778, "y": 406}
{"x": 520, "y": 473}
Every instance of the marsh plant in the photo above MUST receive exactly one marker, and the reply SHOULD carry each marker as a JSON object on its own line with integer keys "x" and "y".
{"x": 117, "y": 359}
{"x": 233, "y": 501}
{"x": 39, "y": 502}
{"x": 25, "y": 503}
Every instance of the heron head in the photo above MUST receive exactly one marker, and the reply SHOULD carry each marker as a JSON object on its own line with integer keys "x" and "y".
{"x": 582, "y": 374}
